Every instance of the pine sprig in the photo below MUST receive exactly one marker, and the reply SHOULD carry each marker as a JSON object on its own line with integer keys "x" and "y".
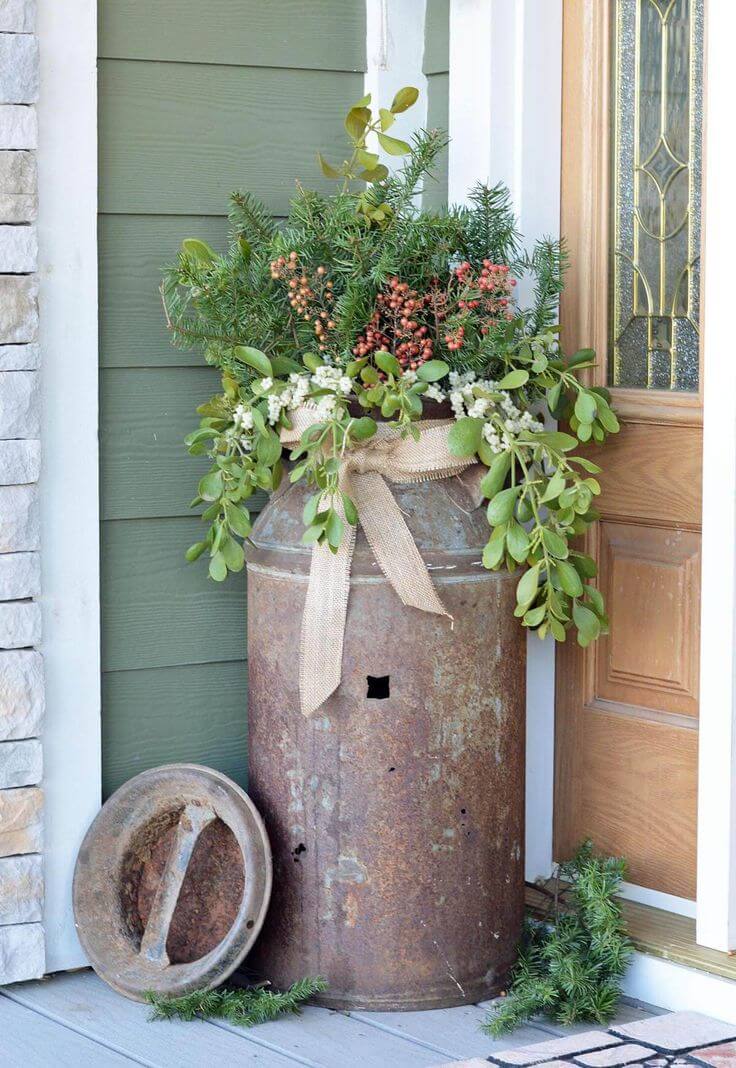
{"x": 245, "y": 1007}
{"x": 571, "y": 963}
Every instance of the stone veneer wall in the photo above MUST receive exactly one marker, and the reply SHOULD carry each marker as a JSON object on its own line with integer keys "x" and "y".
{"x": 21, "y": 669}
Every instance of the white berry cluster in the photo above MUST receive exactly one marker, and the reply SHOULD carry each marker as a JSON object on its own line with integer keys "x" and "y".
{"x": 480, "y": 398}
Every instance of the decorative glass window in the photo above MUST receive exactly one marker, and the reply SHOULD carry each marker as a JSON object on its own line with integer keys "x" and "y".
{"x": 657, "y": 125}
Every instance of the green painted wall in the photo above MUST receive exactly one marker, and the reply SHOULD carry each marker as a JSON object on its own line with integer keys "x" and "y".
{"x": 196, "y": 99}
{"x": 436, "y": 66}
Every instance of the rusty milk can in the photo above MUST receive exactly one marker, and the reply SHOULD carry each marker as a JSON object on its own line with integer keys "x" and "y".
{"x": 396, "y": 813}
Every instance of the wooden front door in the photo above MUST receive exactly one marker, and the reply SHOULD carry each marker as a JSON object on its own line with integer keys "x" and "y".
{"x": 627, "y": 708}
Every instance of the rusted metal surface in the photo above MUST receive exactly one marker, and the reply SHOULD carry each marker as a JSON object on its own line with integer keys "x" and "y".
{"x": 172, "y": 882}
{"x": 396, "y": 822}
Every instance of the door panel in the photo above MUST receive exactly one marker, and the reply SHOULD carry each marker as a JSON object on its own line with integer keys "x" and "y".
{"x": 627, "y": 707}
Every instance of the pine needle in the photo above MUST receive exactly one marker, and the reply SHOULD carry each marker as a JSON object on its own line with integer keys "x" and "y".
{"x": 246, "y": 1007}
{"x": 571, "y": 966}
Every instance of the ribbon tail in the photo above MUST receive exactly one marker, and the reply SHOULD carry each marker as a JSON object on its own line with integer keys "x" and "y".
{"x": 392, "y": 543}
{"x": 323, "y": 622}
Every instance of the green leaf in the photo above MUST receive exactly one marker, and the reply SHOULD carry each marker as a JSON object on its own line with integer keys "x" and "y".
{"x": 238, "y": 520}
{"x": 256, "y": 359}
{"x": 433, "y": 371}
{"x": 366, "y": 159}
{"x": 374, "y": 174}
{"x": 534, "y": 616}
{"x": 569, "y": 579}
{"x": 556, "y": 439}
{"x": 514, "y": 379}
{"x": 363, "y": 428}
{"x": 334, "y": 529}
{"x": 585, "y": 566}
{"x": 596, "y": 601}
{"x": 555, "y": 486}
{"x": 218, "y": 567}
{"x": 284, "y": 365}
{"x": 388, "y": 363}
{"x": 495, "y": 476}
{"x": 517, "y": 540}
{"x": 327, "y": 169}
{"x": 210, "y": 487}
{"x": 387, "y": 119}
{"x": 586, "y": 621}
{"x": 356, "y": 121}
{"x": 501, "y": 507}
{"x": 393, "y": 146}
{"x": 557, "y": 630}
{"x": 493, "y": 550}
{"x": 554, "y": 543}
{"x": 526, "y": 591}
{"x": 232, "y": 552}
{"x": 313, "y": 533}
{"x": 465, "y": 436}
{"x": 195, "y": 551}
{"x": 198, "y": 250}
{"x": 585, "y": 407}
{"x": 351, "y": 512}
{"x": 310, "y": 509}
{"x": 553, "y": 396}
{"x": 607, "y": 418}
{"x": 268, "y": 448}
{"x": 404, "y": 99}
{"x": 585, "y": 463}
{"x": 582, "y": 356}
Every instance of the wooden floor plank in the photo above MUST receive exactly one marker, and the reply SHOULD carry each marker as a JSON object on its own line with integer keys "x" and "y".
{"x": 454, "y": 1032}
{"x": 336, "y": 1040}
{"x": 85, "y": 1004}
{"x": 26, "y": 1039}
{"x": 626, "y": 1012}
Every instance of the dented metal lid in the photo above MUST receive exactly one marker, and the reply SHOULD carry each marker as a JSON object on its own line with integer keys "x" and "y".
{"x": 172, "y": 882}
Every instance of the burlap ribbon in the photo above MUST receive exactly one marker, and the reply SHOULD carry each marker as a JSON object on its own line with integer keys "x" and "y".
{"x": 362, "y": 475}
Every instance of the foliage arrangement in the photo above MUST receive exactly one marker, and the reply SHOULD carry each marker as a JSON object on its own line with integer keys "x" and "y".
{"x": 363, "y": 306}
{"x": 571, "y": 961}
{"x": 243, "y": 1007}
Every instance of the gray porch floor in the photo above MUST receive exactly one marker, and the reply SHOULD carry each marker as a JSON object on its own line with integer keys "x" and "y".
{"x": 75, "y": 1021}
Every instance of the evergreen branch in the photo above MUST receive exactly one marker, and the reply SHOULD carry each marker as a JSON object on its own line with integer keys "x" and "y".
{"x": 250, "y": 217}
{"x": 570, "y": 968}
{"x": 245, "y": 1007}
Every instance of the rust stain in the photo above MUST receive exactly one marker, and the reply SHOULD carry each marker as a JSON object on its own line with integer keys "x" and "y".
{"x": 409, "y": 892}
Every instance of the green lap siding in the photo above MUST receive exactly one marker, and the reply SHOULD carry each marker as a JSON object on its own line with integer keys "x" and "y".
{"x": 195, "y": 99}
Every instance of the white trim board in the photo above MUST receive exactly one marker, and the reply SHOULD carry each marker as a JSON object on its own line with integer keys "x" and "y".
{"x": 506, "y": 125}
{"x": 716, "y": 922}
{"x": 67, "y": 270}
{"x": 672, "y": 986}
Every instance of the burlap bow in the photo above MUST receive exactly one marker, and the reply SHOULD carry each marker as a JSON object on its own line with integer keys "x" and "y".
{"x": 363, "y": 470}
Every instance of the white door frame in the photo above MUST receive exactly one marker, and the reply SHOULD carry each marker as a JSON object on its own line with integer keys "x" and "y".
{"x": 505, "y": 124}
{"x": 69, "y": 495}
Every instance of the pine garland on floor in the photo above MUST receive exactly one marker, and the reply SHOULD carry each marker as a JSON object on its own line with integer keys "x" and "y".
{"x": 571, "y": 961}
{"x": 244, "y": 1007}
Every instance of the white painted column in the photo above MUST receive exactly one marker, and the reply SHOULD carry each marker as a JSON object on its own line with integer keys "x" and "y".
{"x": 67, "y": 229}
{"x": 505, "y": 126}
{"x": 716, "y": 893}
{"x": 394, "y": 54}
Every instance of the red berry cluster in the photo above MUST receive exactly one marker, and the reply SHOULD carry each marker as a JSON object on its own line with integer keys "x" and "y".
{"x": 310, "y": 297}
{"x": 454, "y": 338}
{"x": 395, "y": 326}
{"x": 488, "y": 291}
